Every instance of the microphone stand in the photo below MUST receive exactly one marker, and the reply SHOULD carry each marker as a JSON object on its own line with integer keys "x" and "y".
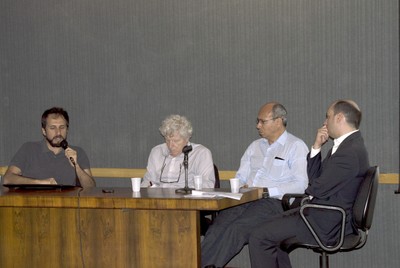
{"x": 186, "y": 189}
{"x": 398, "y": 189}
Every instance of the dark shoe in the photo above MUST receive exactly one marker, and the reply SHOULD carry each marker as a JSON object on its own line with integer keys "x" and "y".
{"x": 210, "y": 266}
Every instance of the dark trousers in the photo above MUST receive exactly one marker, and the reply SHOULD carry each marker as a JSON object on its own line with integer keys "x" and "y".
{"x": 265, "y": 239}
{"x": 232, "y": 227}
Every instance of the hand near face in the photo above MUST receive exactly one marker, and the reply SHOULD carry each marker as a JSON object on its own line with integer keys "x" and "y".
{"x": 321, "y": 138}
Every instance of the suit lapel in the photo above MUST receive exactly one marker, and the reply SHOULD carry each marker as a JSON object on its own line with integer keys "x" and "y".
{"x": 355, "y": 135}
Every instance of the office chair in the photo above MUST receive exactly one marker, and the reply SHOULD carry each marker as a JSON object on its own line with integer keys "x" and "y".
{"x": 363, "y": 210}
{"x": 216, "y": 174}
{"x": 205, "y": 221}
{"x": 2, "y": 172}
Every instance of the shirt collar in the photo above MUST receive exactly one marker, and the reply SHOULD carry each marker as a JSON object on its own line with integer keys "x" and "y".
{"x": 338, "y": 141}
{"x": 46, "y": 149}
{"x": 281, "y": 140}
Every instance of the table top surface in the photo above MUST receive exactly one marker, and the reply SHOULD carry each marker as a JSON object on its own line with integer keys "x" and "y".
{"x": 147, "y": 198}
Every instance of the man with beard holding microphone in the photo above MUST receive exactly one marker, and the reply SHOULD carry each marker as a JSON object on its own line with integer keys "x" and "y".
{"x": 51, "y": 161}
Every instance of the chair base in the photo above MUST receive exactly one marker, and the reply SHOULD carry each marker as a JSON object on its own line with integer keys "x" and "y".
{"x": 323, "y": 260}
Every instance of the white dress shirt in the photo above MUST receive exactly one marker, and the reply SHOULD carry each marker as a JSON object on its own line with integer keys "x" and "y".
{"x": 164, "y": 170}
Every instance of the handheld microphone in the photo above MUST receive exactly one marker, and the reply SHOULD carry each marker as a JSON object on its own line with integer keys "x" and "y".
{"x": 187, "y": 149}
{"x": 64, "y": 145}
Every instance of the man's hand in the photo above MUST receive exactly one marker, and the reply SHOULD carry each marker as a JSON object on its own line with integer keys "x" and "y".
{"x": 321, "y": 138}
{"x": 72, "y": 156}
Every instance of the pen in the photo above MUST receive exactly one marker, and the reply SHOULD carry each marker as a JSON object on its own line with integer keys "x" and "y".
{"x": 277, "y": 157}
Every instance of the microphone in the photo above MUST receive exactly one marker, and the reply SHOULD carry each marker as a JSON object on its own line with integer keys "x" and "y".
{"x": 64, "y": 145}
{"x": 187, "y": 149}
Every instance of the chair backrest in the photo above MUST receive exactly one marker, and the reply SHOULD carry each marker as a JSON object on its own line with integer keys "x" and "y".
{"x": 216, "y": 174}
{"x": 2, "y": 172}
{"x": 363, "y": 208}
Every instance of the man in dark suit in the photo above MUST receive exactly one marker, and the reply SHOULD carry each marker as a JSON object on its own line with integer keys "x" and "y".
{"x": 333, "y": 181}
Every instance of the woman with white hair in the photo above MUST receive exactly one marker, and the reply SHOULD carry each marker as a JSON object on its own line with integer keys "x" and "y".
{"x": 165, "y": 164}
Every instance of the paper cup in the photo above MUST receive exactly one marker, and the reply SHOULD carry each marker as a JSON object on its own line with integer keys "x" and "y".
{"x": 198, "y": 182}
{"x": 234, "y": 185}
{"x": 136, "y": 194}
{"x": 136, "y": 184}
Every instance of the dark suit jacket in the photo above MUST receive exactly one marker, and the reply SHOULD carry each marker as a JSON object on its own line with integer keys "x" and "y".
{"x": 335, "y": 181}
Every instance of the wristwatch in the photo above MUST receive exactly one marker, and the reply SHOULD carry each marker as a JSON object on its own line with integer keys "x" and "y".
{"x": 265, "y": 193}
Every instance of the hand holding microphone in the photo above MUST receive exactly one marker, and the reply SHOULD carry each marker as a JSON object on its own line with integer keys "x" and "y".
{"x": 64, "y": 145}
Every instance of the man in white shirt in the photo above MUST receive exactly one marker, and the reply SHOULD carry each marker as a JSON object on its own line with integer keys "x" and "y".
{"x": 275, "y": 162}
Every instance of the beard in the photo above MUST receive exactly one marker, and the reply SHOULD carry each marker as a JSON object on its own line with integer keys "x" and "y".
{"x": 54, "y": 143}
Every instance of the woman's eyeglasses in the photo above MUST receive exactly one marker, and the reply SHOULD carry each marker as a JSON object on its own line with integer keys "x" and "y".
{"x": 163, "y": 180}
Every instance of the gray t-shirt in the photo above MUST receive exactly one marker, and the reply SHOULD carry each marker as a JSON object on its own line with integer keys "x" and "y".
{"x": 36, "y": 161}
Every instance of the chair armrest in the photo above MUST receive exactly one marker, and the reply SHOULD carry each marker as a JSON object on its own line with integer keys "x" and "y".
{"x": 315, "y": 235}
{"x": 290, "y": 200}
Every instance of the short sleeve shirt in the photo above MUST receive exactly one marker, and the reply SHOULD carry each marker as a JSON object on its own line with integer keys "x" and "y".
{"x": 36, "y": 161}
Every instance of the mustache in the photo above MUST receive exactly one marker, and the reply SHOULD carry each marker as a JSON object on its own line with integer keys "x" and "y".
{"x": 58, "y": 137}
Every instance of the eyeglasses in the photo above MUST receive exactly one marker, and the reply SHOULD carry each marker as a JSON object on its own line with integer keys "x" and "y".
{"x": 262, "y": 121}
{"x": 162, "y": 170}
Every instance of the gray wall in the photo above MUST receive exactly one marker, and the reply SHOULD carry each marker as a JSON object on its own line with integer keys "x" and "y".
{"x": 120, "y": 66}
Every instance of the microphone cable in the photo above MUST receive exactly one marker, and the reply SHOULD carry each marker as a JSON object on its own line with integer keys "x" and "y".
{"x": 78, "y": 217}
{"x": 64, "y": 145}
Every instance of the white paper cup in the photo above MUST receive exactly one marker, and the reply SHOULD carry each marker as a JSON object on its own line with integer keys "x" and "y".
{"x": 234, "y": 185}
{"x": 198, "y": 182}
{"x": 136, "y": 184}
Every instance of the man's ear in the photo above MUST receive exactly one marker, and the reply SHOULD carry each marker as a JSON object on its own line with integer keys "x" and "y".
{"x": 43, "y": 132}
{"x": 340, "y": 117}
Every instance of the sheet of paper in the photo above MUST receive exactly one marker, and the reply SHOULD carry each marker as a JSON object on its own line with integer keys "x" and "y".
{"x": 200, "y": 194}
{"x": 236, "y": 196}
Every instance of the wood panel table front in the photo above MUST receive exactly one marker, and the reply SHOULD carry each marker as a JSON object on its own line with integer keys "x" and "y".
{"x": 89, "y": 228}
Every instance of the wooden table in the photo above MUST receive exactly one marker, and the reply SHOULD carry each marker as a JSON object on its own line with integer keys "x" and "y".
{"x": 89, "y": 228}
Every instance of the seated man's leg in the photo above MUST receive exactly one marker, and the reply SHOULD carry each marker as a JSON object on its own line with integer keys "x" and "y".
{"x": 230, "y": 232}
{"x": 265, "y": 239}
{"x": 213, "y": 245}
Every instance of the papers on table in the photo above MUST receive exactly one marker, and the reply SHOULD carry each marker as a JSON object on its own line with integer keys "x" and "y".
{"x": 203, "y": 194}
